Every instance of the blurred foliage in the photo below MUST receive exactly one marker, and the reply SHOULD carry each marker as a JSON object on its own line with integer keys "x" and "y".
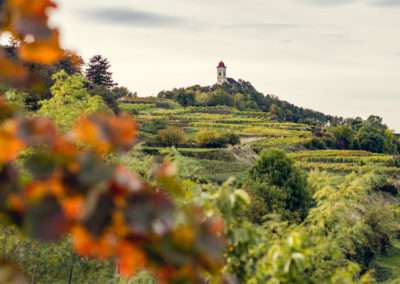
{"x": 71, "y": 190}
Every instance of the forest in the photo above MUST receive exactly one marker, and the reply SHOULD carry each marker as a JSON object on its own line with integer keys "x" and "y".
{"x": 204, "y": 184}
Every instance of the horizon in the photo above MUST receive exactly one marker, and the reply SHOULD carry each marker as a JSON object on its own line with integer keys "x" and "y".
{"x": 296, "y": 50}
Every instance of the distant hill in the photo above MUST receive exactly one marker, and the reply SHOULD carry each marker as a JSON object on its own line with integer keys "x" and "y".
{"x": 243, "y": 95}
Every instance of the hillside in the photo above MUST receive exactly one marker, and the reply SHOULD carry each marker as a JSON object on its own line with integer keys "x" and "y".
{"x": 255, "y": 130}
{"x": 243, "y": 95}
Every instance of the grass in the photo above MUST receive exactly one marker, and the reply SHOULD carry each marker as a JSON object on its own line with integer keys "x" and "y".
{"x": 220, "y": 154}
{"x": 387, "y": 268}
{"x": 215, "y": 171}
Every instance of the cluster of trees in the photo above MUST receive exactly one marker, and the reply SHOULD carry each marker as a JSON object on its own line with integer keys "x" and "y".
{"x": 243, "y": 96}
{"x": 358, "y": 134}
{"x": 97, "y": 79}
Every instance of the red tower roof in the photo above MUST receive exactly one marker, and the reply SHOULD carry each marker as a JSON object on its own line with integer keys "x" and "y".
{"x": 221, "y": 65}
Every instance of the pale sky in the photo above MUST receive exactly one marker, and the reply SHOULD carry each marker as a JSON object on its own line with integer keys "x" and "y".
{"x": 341, "y": 57}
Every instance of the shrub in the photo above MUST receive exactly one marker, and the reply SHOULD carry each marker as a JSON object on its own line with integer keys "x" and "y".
{"x": 281, "y": 184}
{"x": 315, "y": 144}
{"x": 232, "y": 138}
{"x": 167, "y": 104}
{"x": 153, "y": 126}
{"x": 209, "y": 138}
{"x": 171, "y": 136}
{"x": 213, "y": 138}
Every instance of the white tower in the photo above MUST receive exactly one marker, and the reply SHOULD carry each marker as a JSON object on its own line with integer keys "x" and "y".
{"x": 221, "y": 73}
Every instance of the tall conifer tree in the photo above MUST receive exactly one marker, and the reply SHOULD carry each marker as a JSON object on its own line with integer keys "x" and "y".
{"x": 98, "y": 72}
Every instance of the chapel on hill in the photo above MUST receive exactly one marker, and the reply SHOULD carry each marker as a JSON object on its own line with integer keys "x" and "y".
{"x": 221, "y": 73}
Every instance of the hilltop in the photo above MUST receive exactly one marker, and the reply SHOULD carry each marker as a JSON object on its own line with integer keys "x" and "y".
{"x": 243, "y": 96}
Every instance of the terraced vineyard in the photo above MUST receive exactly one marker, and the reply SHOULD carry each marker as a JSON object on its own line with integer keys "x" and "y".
{"x": 346, "y": 161}
{"x": 257, "y": 132}
{"x": 248, "y": 125}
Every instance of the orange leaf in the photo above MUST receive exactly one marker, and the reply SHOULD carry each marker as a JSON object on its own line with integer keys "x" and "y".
{"x": 38, "y": 189}
{"x": 10, "y": 145}
{"x": 131, "y": 259}
{"x": 16, "y": 202}
{"x": 10, "y": 71}
{"x": 73, "y": 207}
{"x": 123, "y": 130}
{"x": 83, "y": 242}
{"x": 33, "y": 8}
{"x": 105, "y": 133}
{"x": 46, "y": 51}
{"x": 65, "y": 147}
{"x": 88, "y": 132}
{"x": 104, "y": 247}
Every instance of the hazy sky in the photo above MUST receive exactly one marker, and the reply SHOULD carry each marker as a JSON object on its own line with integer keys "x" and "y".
{"x": 341, "y": 57}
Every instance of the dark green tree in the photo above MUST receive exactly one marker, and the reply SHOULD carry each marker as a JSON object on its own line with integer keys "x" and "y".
{"x": 98, "y": 72}
{"x": 344, "y": 136}
{"x": 371, "y": 139}
{"x": 186, "y": 98}
{"x": 283, "y": 187}
{"x": 108, "y": 96}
